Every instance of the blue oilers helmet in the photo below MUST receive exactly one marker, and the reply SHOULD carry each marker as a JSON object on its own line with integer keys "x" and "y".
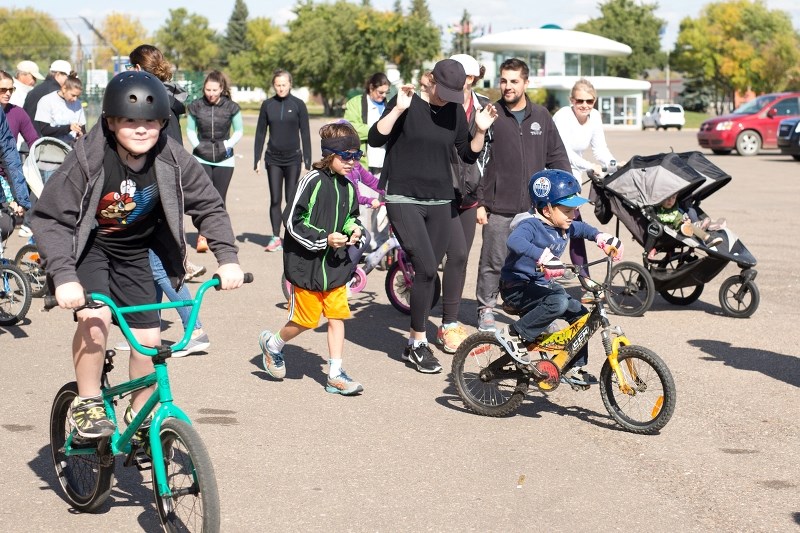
{"x": 555, "y": 187}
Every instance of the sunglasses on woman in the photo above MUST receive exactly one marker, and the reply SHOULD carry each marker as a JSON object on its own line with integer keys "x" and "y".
{"x": 348, "y": 156}
{"x": 589, "y": 101}
{"x": 9, "y": 90}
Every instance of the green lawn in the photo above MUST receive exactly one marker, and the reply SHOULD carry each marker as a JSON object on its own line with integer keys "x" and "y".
{"x": 694, "y": 119}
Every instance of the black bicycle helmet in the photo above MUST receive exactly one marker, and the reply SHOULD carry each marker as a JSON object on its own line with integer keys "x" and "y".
{"x": 137, "y": 95}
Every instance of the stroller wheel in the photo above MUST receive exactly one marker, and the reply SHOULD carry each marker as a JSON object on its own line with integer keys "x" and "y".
{"x": 631, "y": 289}
{"x": 739, "y": 299}
{"x": 683, "y": 295}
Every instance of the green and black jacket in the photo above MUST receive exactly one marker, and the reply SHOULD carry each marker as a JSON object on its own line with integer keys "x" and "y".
{"x": 325, "y": 202}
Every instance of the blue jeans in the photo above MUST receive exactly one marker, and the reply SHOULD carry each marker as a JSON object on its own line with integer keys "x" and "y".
{"x": 163, "y": 286}
{"x": 541, "y": 305}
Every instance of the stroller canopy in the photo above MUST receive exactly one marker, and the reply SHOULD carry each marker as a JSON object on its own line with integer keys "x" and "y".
{"x": 649, "y": 180}
{"x": 46, "y": 155}
{"x": 715, "y": 177}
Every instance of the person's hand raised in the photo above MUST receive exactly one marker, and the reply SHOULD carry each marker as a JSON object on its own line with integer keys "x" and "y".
{"x": 404, "y": 96}
{"x": 486, "y": 118}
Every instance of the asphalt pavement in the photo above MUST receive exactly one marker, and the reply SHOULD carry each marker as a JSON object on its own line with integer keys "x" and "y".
{"x": 406, "y": 455}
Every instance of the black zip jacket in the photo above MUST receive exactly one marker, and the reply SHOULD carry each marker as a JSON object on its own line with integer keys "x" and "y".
{"x": 285, "y": 118}
{"x": 518, "y": 152}
{"x": 325, "y": 202}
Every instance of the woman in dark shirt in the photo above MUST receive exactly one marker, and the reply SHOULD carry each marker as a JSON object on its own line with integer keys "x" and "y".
{"x": 286, "y": 118}
{"x": 417, "y": 176}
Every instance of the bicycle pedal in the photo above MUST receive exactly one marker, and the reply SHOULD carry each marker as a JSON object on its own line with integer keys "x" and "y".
{"x": 137, "y": 457}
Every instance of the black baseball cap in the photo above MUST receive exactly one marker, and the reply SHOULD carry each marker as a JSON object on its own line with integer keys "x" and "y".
{"x": 450, "y": 77}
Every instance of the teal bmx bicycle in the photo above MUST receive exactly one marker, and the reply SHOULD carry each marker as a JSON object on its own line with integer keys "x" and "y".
{"x": 184, "y": 484}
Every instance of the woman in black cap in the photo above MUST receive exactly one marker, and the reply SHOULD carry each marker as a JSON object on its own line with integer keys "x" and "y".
{"x": 417, "y": 177}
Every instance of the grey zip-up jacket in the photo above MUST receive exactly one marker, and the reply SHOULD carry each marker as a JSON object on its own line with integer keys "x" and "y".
{"x": 64, "y": 217}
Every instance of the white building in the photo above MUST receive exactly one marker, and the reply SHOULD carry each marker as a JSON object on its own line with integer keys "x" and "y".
{"x": 558, "y": 58}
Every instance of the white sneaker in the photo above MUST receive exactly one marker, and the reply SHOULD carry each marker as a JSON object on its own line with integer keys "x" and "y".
{"x": 196, "y": 344}
{"x": 25, "y": 231}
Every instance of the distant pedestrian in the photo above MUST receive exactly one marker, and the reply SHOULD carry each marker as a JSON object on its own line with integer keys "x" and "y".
{"x": 24, "y": 81}
{"x": 59, "y": 70}
{"x": 214, "y": 126}
{"x": 60, "y": 114}
{"x": 285, "y": 118}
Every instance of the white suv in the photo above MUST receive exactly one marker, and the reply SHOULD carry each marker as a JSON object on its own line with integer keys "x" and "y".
{"x": 664, "y": 116}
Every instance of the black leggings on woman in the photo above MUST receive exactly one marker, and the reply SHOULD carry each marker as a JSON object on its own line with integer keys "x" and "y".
{"x": 277, "y": 175}
{"x": 424, "y": 233}
{"x": 221, "y": 178}
{"x": 455, "y": 270}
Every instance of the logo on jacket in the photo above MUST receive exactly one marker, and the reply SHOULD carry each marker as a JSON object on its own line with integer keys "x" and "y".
{"x": 536, "y": 129}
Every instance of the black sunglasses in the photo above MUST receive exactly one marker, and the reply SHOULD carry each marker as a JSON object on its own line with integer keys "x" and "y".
{"x": 347, "y": 156}
{"x": 590, "y": 101}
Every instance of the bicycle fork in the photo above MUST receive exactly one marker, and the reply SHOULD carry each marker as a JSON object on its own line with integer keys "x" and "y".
{"x": 611, "y": 345}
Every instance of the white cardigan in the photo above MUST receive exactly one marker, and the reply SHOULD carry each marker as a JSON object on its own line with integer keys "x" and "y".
{"x": 578, "y": 137}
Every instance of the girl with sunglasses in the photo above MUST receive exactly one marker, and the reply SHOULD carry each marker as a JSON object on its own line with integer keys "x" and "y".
{"x": 581, "y": 126}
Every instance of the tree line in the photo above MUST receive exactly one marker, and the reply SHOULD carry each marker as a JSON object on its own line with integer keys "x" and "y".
{"x": 732, "y": 46}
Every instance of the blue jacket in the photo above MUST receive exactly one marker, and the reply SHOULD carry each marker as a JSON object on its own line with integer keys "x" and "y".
{"x": 529, "y": 237}
{"x": 9, "y": 158}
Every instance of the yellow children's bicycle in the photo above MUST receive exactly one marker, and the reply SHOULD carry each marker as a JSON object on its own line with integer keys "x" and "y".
{"x": 635, "y": 384}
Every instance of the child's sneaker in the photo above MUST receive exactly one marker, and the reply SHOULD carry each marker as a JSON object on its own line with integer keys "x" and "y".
{"x": 88, "y": 417}
{"x": 422, "y": 357}
{"x": 713, "y": 240}
{"x": 274, "y": 244}
{"x": 486, "y": 320}
{"x": 578, "y": 376}
{"x": 344, "y": 385}
{"x": 513, "y": 344}
{"x": 273, "y": 362}
{"x": 451, "y": 338}
{"x": 198, "y": 343}
{"x": 142, "y": 434}
{"x": 718, "y": 224}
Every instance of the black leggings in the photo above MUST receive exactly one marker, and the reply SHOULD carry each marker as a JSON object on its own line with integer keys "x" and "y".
{"x": 277, "y": 175}
{"x": 424, "y": 233}
{"x": 221, "y": 178}
{"x": 455, "y": 270}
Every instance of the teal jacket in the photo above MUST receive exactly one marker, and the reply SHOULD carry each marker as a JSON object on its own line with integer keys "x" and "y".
{"x": 325, "y": 202}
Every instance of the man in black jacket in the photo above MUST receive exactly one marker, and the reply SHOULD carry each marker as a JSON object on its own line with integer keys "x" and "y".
{"x": 523, "y": 141}
{"x": 59, "y": 71}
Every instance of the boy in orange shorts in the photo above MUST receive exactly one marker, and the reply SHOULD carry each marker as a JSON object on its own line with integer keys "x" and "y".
{"x": 320, "y": 223}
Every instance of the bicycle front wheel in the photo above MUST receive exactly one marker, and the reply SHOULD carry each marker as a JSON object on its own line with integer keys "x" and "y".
{"x": 486, "y": 378}
{"x": 649, "y": 405}
{"x": 398, "y": 288}
{"x": 194, "y": 504}
{"x": 15, "y": 294}
{"x": 86, "y": 479}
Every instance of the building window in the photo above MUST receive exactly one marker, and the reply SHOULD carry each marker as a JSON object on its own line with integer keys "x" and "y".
{"x": 572, "y": 64}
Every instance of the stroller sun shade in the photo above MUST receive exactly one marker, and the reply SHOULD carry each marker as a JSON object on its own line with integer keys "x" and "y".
{"x": 715, "y": 177}
{"x": 649, "y": 180}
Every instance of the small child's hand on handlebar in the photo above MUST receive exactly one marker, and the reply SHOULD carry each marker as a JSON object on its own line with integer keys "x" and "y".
{"x": 551, "y": 266}
{"x": 610, "y": 245}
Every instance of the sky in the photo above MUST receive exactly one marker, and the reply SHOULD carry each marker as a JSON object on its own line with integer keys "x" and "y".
{"x": 500, "y": 15}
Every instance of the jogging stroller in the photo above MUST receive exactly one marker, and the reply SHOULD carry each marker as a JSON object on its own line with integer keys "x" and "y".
{"x": 674, "y": 265}
{"x": 45, "y": 156}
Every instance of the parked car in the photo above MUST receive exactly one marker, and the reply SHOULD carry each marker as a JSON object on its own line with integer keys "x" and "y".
{"x": 789, "y": 137}
{"x": 751, "y": 127}
{"x": 664, "y": 116}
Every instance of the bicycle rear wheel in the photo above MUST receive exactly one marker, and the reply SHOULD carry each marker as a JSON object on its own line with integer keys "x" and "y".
{"x": 485, "y": 376}
{"x": 398, "y": 288}
{"x": 194, "y": 504}
{"x": 15, "y": 294}
{"x": 29, "y": 261}
{"x": 650, "y": 405}
{"x": 86, "y": 479}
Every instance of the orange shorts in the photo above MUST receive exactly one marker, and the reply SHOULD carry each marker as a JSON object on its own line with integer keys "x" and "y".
{"x": 305, "y": 307}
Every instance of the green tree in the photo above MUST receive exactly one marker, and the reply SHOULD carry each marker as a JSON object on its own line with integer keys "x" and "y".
{"x": 253, "y": 67}
{"x": 739, "y": 45}
{"x": 187, "y": 41}
{"x": 31, "y": 34}
{"x": 634, "y": 24}
{"x": 123, "y": 32}
{"x": 462, "y": 35}
{"x": 417, "y": 40}
{"x": 328, "y": 51}
{"x": 236, "y": 37}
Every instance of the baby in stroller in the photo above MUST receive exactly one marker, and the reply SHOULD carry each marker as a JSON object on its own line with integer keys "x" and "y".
{"x": 688, "y": 222}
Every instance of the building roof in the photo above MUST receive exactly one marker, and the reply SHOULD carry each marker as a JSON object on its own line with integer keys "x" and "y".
{"x": 551, "y": 39}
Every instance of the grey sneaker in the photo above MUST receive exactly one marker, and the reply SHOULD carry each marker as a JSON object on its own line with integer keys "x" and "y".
{"x": 196, "y": 344}
{"x": 273, "y": 362}
{"x": 579, "y": 376}
{"x": 486, "y": 320}
{"x": 89, "y": 418}
{"x": 193, "y": 271}
{"x": 513, "y": 344}
{"x": 344, "y": 385}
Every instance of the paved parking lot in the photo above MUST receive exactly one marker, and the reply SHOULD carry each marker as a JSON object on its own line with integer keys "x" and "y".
{"x": 406, "y": 455}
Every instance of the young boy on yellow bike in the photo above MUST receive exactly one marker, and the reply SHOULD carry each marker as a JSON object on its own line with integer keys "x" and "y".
{"x": 537, "y": 240}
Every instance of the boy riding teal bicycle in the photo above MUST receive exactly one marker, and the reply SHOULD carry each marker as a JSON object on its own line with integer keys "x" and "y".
{"x": 122, "y": 191}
